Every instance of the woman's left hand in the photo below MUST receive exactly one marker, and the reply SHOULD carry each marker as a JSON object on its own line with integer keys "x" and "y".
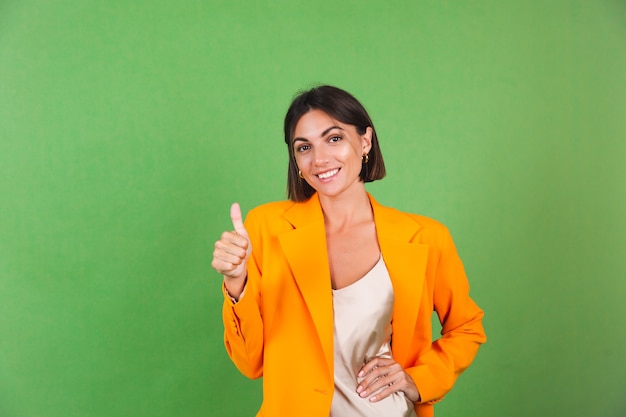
{"x": 388, "y": 374}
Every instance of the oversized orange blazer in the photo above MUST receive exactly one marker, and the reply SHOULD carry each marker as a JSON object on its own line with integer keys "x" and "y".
{"x": 282, "y": 326}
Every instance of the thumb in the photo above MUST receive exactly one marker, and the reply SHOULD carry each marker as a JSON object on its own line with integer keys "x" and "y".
{"x": 235, "y": 216}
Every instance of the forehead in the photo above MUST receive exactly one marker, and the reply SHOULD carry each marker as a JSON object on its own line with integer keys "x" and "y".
{"x": 313, "y": 123}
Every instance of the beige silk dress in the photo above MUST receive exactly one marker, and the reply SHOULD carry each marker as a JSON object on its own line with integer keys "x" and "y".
{"x": 362, "y": 316}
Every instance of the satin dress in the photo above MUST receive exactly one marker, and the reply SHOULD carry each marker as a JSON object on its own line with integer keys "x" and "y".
{"x": 362, "y": 317}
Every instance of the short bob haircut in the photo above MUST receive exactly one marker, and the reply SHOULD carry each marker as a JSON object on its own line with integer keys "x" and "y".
{"x": 341, "y": 106}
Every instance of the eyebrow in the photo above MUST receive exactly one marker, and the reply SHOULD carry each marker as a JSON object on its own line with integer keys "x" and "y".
{"x": 324, "y": 133}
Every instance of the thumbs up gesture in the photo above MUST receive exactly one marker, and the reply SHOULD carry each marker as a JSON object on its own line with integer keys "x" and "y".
{"x": 231, "y": 254}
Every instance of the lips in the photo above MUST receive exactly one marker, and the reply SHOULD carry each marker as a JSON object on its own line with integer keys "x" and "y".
{"x": 327, "y": 174}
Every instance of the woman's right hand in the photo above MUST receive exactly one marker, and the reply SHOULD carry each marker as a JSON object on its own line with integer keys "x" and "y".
{"x": 231, "y": 254}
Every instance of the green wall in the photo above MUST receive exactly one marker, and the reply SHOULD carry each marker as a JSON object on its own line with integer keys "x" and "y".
{"x": 128, "y": 127}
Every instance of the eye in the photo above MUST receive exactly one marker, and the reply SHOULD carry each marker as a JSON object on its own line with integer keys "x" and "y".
{"x": 334, "y": 139}
{"x": 303, "y": 148}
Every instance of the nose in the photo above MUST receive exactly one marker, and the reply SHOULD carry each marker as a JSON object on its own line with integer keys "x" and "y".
{"x": 321, "y": 156}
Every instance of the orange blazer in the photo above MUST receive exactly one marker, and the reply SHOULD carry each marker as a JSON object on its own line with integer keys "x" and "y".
{"x": 282, "y": 326}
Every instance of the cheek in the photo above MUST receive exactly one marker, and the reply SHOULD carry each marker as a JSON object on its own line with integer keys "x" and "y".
{"x": 356, "y": 153}
{"x": 301, "y": 160}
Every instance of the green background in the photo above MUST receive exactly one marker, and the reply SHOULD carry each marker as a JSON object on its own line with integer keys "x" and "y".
{"x": 128, "y": 127}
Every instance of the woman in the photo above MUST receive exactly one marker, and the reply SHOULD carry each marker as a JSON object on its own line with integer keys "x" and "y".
{"x": 329, "y": 295}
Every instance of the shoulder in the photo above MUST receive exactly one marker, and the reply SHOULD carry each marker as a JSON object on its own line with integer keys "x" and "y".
{"x": 269, "y": 217}
{"x": 426, "y": 222}
{"x": 394, "y": 215}
{"x": 270, "y": 210}
{"x": 419, "y": 227}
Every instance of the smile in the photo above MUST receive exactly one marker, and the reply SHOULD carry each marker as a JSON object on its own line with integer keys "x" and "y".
{"x": 328, "y": 174}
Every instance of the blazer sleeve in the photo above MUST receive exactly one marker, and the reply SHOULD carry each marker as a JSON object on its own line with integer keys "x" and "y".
{"x": 462, "y": 330}
{"x": 243, "y": 322}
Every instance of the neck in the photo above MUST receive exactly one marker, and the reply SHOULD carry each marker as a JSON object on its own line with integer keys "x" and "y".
{"x": 346, "y": 209}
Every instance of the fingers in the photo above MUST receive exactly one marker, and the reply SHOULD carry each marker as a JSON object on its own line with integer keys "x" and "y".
{"x": 235, "y": 216}
{"x": 382, "y": 377}
{"x": 230, "y": 254}
{"x": 233, "y": 248}
{"x": 377, "y": 373}
{"x": 373, "y": 364}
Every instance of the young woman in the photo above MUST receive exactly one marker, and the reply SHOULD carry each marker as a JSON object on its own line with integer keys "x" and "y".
{"x": 329, "y": 295}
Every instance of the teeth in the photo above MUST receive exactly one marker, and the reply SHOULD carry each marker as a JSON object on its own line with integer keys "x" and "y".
{"x": 328, "y": 174}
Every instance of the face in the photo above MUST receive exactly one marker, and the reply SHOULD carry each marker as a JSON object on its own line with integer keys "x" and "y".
{"x": 328, "y": 153}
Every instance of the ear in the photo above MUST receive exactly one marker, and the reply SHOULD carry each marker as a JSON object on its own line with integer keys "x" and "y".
{"x": 366, "y": 139}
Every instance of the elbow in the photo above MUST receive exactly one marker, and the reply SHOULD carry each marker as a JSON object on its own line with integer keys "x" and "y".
{"x": 249, "y": 371}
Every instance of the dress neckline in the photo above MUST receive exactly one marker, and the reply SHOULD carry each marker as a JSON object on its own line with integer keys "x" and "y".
{"x": 368, "y": 273}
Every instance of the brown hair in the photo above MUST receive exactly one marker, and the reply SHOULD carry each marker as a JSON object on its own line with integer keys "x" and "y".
{"x": 342, "y": 106}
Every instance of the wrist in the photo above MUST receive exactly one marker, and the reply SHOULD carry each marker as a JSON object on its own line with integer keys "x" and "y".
{"x": 234, "y": 287}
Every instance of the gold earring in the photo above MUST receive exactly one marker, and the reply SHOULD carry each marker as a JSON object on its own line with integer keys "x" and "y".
{"x": 365, "y": 158}
{"x": 300, "y": 174}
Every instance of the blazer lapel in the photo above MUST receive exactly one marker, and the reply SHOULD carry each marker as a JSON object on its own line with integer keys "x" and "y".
{"x": 305, "y": 250}
{"x": 406, "y": 262}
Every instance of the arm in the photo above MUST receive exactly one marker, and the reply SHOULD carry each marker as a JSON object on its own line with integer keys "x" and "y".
{"x": 462, "y": 331}
{"x": 243, "y": 325}
{"x": 432, "y": 372}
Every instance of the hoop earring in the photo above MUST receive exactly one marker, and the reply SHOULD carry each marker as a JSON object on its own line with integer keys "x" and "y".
{"x": 365, "y": 158}
{"x": 300, "y": 174}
